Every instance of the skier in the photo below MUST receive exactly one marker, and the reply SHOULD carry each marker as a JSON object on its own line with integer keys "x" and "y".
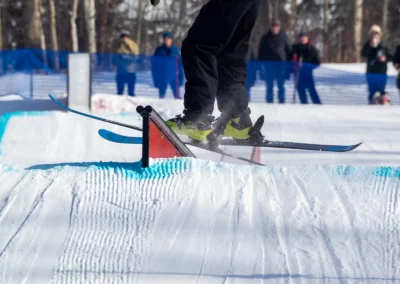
{"x": 214, "y": 59}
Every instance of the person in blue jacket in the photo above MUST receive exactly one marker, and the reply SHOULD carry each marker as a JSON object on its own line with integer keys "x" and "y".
{"x": 167, "y": 67}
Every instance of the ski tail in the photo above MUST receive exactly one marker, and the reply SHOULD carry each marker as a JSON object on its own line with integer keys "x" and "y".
{"x": 64, "y": 107}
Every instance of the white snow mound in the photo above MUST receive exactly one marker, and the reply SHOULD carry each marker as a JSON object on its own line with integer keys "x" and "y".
{"x": 192, "y": 221}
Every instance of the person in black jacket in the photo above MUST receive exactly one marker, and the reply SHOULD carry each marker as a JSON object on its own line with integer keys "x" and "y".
{"x": 396, "y": 63}
{"x": 377, "y": 56}
{"x": 275, "y": 51}
{"x": 308, "y": 59}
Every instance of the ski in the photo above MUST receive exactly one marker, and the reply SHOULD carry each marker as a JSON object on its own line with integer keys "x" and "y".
{"x": 117, "y": 138}
{"x": 226, "y": 142}
{"x": 64, "y": 107}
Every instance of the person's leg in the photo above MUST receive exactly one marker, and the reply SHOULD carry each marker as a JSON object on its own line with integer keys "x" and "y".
{"x": 371, "y": 87}
{"x": 162, "y": 90}
{"x": 301, "y": 88}
{"x": 235, "y": 120}
{"x": 175, "y": 89}
{"x": 218, "y": 38}
{"x": 382, "y": 81}
{"x": 131, "y": 80}
{"x": 120, "y": 84}
{"x": 232, "y": 60}
{"x": 269, "y": 81}
{"x": 281, "y": 74}
{"x": 218, "y": 31}
{"x": 199, "y": 61}
{"x": 313, "y": 91}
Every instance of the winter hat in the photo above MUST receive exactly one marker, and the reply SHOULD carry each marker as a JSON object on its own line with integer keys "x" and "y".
{"x": 275, "y": 23}
{"x": 167, "y": 35}
{"x": 155, "y": 2}
{"x": 124, "y": 33}
{"x": 303, "y": 33}
{"x": 375, "y": 29}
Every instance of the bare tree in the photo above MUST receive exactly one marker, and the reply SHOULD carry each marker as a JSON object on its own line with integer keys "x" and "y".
{"x": 103, "y": 29}
{"x": 270, "y": 10}
{"x": 276, "y": 9}
{"x": 385, "y": 18}
{"x": 293, "y": 17}
{"x": 1, "y": 29}
{"x": 2, "y": 8}
{"x": 326, "y": 30}
{"x": 33, "y": 36}
{"x": 140, "y": 19}
{"x": 90, "y": 18}
{"x": 358, "y": 24}
{"x": 74, "y": 28}
{"x": 53, "y": 29}
{"x": 4, "y": 18}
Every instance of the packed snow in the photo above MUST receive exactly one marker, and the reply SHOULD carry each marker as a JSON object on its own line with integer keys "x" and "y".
{"x": 77, "y": 209}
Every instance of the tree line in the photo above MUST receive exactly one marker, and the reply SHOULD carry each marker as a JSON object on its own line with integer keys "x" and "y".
{"x": 337, "y": 27}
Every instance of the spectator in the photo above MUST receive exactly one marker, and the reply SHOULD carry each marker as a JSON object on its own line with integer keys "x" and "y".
{"x": 308, "y": 57}
{"x": 377, "y": 56}
{"x": 396, "y": 62}
{"x": 275, "y": 50}
{"x": 167, "y": 67}
{"x": 125, "y": 60}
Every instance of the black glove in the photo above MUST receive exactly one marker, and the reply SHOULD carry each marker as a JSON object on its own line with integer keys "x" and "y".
{"x": 155, "y": 2}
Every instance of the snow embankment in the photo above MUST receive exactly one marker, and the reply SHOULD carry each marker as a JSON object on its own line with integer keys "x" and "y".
{"x": 48, "y": 137}
{"x": 116, "y": 223}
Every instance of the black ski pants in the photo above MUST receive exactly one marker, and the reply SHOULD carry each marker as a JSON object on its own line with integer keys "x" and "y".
{"x": 214, "y": 56}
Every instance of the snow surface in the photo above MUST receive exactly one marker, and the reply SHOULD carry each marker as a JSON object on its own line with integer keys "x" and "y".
{"x": 77, "y": 209}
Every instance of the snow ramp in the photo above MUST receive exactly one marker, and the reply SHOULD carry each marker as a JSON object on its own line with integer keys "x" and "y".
{"x": 193, "y": 221}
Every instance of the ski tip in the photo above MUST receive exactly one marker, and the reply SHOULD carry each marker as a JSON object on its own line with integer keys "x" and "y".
{"x": 343, "y": 148}
{"x": 57, "y": 102}
{"x": 354, "y": 146}
{"x": 54, "y": 99}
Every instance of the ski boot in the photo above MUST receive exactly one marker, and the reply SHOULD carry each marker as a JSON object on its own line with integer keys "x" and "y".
{"x": 385, "y": 100}
{"x": 239, "y": 127}
{"x": 195, "y": 126}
